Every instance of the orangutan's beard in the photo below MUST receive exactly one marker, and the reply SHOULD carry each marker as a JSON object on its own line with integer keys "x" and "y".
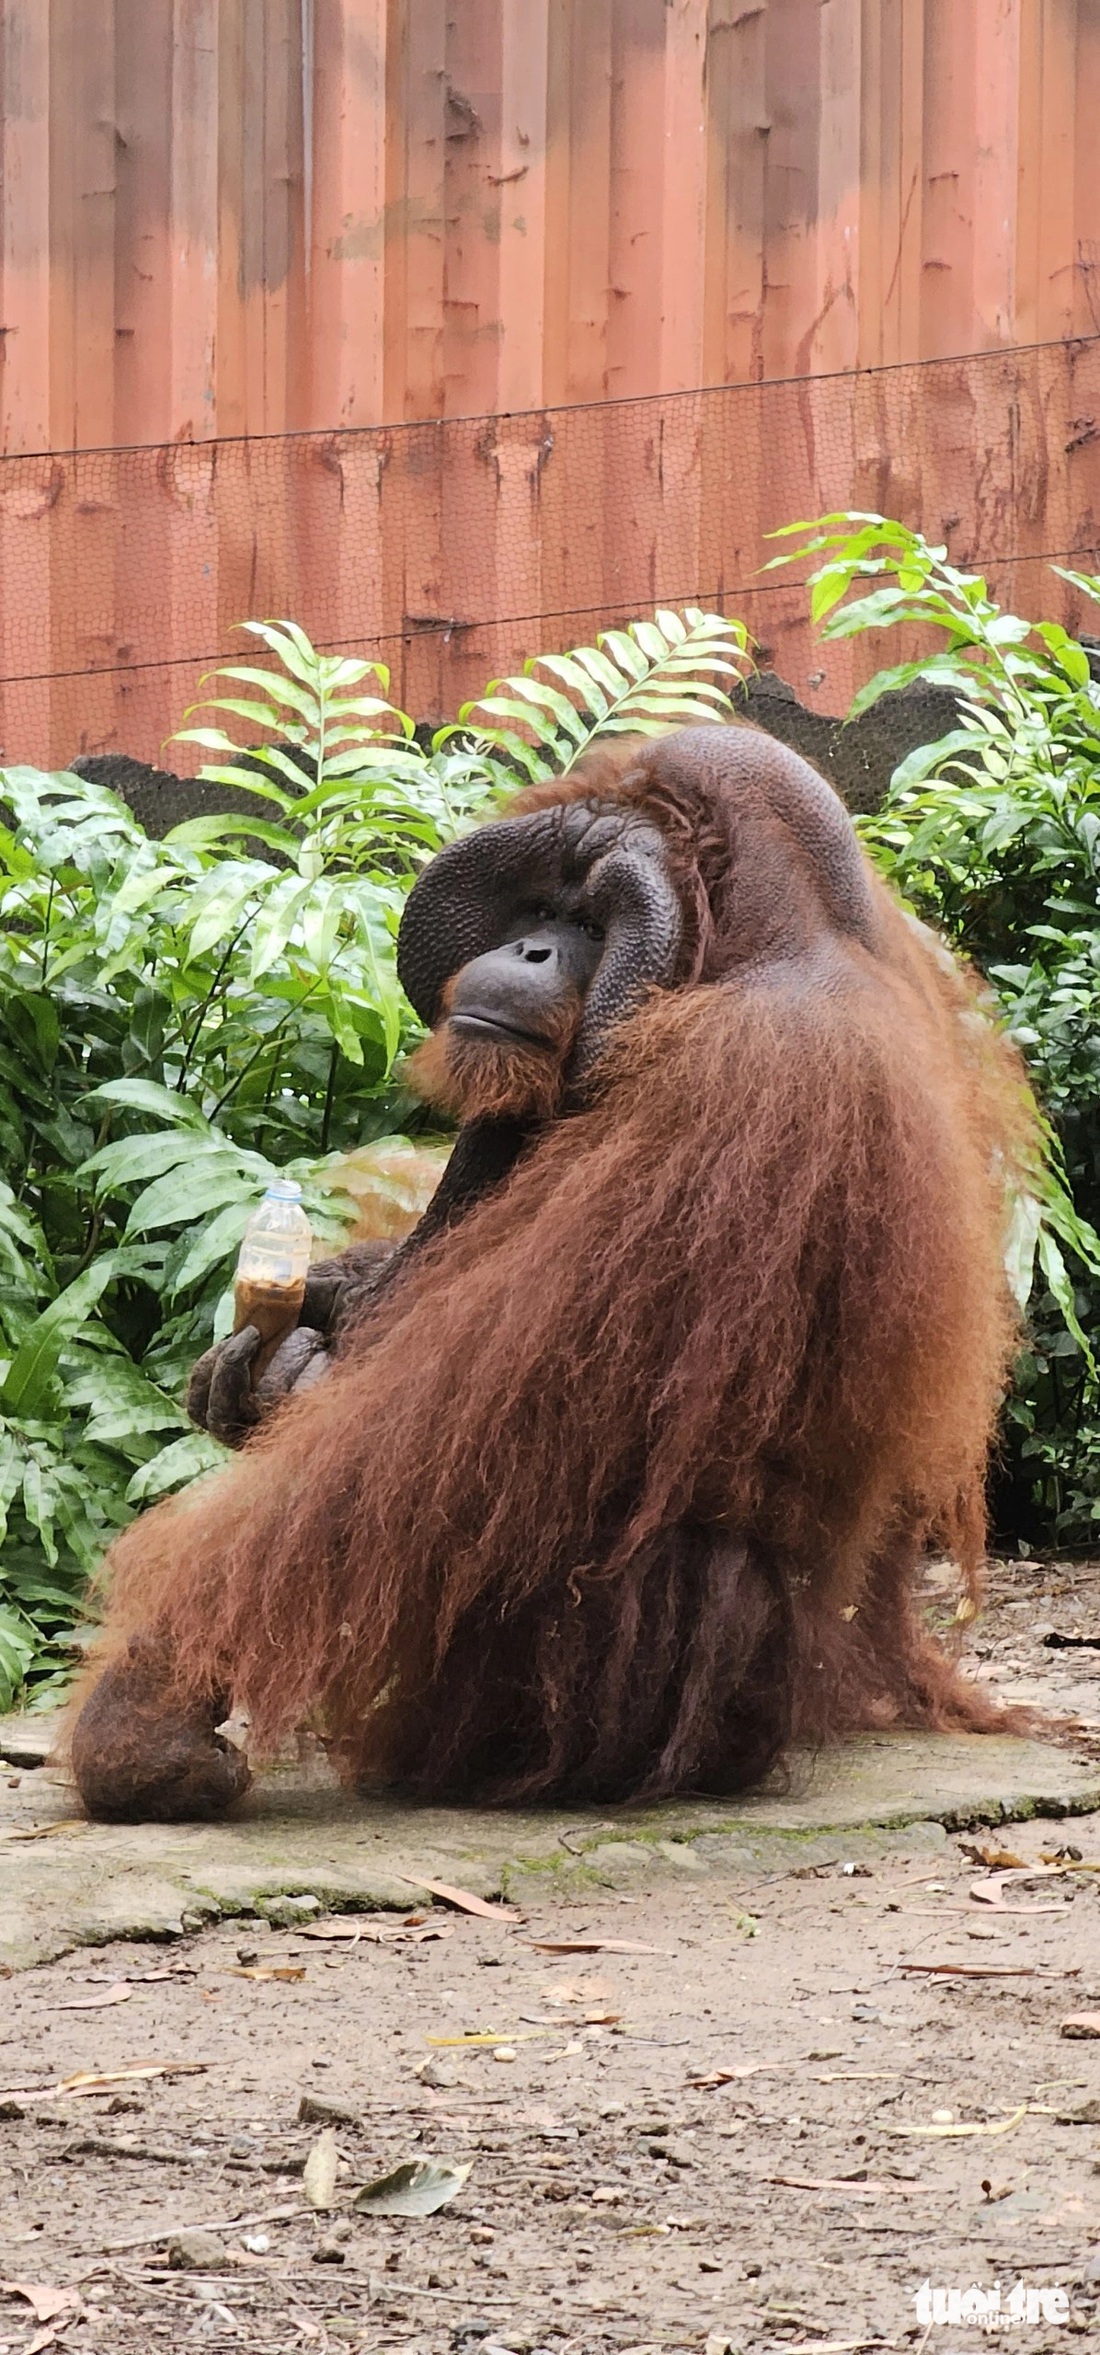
{"x": 492, "y": 1078}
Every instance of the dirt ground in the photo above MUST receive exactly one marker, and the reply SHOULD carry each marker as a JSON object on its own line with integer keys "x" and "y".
{"x": 718, "y": 2142}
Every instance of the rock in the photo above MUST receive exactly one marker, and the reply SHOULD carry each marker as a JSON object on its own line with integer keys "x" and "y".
{"x": 328, "y": 2253}
{"x": 438, "y": 2076}
{"x": 288, "y": 1913}
{"x": 1086, "y": 2114}
{"x": 1082, "y": 2024}
{"x": 616, "y": 1860}
{"x": 28, "y": 1740}
{"x": 316, "y": 2109}
{"x": 10, "y": 2109}
{"x": 676, "y": 2153}
{"x": 196, "y": 2252}
{"x": 682, "y": 1854}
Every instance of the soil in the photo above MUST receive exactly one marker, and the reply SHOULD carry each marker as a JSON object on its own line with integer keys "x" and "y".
{"x": 705, "y": 2144}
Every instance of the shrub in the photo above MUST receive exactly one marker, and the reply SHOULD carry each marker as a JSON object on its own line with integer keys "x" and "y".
{"x": 994, "y": 833}
{"x": 180, "y": 1019}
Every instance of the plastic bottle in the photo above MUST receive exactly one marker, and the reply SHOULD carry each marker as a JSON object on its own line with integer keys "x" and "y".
{"x": 272, "y": 1268}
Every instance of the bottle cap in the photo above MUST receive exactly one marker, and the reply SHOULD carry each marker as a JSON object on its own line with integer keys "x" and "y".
{"x": 283, "y": 1190}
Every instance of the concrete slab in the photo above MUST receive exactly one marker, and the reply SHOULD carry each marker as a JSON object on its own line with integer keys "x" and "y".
{"x": 66, "y": 1883}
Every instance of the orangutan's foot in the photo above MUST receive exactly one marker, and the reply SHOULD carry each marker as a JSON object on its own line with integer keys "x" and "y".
{"x": 139, "y": 1757}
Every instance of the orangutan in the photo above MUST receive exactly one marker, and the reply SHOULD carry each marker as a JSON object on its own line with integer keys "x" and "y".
{"x": 621, "y": 1469}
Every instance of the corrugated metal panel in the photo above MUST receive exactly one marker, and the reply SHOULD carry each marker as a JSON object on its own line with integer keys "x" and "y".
{"x": 253, "y": 217}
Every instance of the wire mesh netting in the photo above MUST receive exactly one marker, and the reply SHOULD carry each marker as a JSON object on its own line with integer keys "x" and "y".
{"x": 453, "y": 550}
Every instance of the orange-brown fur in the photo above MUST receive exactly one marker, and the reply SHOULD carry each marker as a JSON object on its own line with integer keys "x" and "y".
{"x": 625, "y": 1482}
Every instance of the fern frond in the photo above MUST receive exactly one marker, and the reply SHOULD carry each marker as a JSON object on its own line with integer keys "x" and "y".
{"x": 634, "y": 681}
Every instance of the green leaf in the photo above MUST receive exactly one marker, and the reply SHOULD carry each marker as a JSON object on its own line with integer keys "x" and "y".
{"x": 35, "y": 1362}
{"x": 207, "y": 833}
{"x": 1020, "y": 1250}
{"x": 417, "y": 2188}
{"x": 281, "y": 911}
{"x": 215, "y": 1242}
{"x": 217, "y": 1180}
{"x": 175, "y": 1466}
{"x": 18, "y": 1644}
{"x": 147, "y": 1095}
{"x": 134, "y": 1160}
{"x": 1057, "y": 1276}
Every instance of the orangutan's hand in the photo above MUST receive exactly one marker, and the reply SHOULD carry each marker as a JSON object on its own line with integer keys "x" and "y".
{"x": 220, "y": 1396}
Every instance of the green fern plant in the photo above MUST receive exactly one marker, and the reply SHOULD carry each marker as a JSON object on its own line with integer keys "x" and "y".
{"x": 632, "y": 682}
{"x": 344, "y": 776}
{"x": 348, "y": 779}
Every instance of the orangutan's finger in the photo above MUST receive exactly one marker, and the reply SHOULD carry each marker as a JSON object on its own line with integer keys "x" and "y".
{"x": 291, "y": 1360}
{"x": 198, "y": 1388}
{"x": 324, "y": 1285}
{"x": 231, "y": 1410}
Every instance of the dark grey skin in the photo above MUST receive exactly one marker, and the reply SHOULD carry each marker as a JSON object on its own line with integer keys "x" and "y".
{"x": 522, "y": 912}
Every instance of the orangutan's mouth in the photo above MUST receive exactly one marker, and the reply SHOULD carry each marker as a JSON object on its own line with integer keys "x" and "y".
{"x": 472, "y": 1025}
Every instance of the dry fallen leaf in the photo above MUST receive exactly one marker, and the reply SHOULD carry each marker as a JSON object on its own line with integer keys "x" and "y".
{"x": 833, "y": 2346}
{"x": 120, "y": 1992}
{"x": 488, "y": 2036}
{"x": 52, "y": 1831}
{"x": 994, "y": 1859}
{"x": 989, "y": 1893}
{"x": 464, "y": 1900}
{"x": 1050, "y": 1869}
{"x": 743, "y": 2069}
{"x": 595, "y": 1946}
{"x": 576, "y": 1991}
{"x": 1081, "y": 2024}
{"x": 416, "y": 2189}
{"x": 46, "y": 2301}
{"x": 289, "y": 1971}
{"x": 948, "y": 2131}
{"x": 97, "y": 2080}
{"x": 319, "y": 2177}
{"x": 415, "y": 1930}
{"x": 867, "y": 2190}
{"x": 960, "y": 1970}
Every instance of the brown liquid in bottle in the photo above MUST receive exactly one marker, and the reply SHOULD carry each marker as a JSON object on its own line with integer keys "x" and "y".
{"x": 273, "y": 1310}
{"x": 272, "y": 1270}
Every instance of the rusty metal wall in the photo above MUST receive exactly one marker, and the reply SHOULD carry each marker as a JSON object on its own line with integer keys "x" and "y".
{"x": 249, "y": 218}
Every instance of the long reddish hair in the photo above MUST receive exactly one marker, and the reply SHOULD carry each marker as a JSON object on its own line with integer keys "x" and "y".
{"x": 625, "y": 1481}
